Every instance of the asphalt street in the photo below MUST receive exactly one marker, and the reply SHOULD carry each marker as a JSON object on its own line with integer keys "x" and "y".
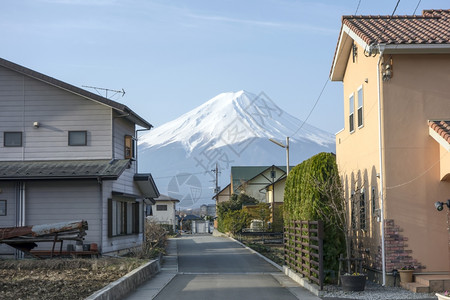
{"x": 219, "y": 268}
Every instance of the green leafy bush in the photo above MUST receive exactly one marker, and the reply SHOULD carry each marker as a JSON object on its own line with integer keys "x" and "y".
{"x": 310, "y": 193}
{"x": 227, "y": 218}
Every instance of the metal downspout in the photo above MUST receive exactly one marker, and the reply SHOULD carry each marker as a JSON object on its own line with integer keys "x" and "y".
{"x": 383, "y": 246}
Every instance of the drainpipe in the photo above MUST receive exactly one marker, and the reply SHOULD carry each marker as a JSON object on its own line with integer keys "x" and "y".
{"x": 383, "y": 246}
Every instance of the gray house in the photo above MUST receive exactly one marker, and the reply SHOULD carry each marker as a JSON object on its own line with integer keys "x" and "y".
{"x": 69, "y": 154}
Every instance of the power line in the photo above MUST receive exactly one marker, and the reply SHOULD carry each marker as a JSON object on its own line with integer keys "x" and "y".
{"x": 418, "y": 3}
{"x": 325, "y": 85}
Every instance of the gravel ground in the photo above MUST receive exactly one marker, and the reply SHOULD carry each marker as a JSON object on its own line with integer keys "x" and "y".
{"x": 374, "y": 291}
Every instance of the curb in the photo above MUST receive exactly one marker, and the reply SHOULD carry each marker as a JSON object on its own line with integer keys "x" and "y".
{"x": 259, "y": 254}
{"x": 128, "y": 283}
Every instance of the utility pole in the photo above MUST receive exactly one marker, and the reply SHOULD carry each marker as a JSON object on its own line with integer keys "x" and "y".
{"x": 216, "y": 171}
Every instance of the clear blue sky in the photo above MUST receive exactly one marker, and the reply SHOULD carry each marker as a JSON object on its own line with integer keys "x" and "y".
{"x": 171, "y": 56}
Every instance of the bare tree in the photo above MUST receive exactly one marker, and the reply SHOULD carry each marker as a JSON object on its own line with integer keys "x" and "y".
{"x": 338, "y": 210}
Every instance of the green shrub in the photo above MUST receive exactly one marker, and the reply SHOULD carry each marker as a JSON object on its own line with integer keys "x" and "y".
{"x": 235, "y": 203}
{"x": 304, "y": 199}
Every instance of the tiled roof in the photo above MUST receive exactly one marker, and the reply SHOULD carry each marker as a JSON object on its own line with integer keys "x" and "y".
{"x": 432, "y": 27}
{"x": 442, "y": 128}
{"x": 426, "y": 33}
{"x": 64, "y": 169}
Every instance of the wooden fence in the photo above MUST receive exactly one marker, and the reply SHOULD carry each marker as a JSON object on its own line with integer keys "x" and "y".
{"x": 303, "y": 249}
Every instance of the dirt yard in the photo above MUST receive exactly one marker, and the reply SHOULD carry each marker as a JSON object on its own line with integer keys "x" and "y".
{"x": 53, "y": 279}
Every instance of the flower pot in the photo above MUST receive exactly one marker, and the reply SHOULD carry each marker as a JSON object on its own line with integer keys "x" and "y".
{"x": 353, "y": 283}
{"x": 442, "y": 297}
{"x": 406, "y": 275}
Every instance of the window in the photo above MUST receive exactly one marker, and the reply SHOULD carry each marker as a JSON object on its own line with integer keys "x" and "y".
{"x": 351, "y": 121}
{"x": 161, "y": 207}
{"x": 12, "y": 139}
{"x": 124, "y": 217}
{"x": 360, "y": 107}
{"x": 362, "y": 210}
{"x": 77, "y": 138}
{"x": 2, "y": 207}
{"x": 129, "y": 147}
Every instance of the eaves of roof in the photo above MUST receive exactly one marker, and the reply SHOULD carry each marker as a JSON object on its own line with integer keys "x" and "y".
{"x": 62, "y": 169}
{"x": 163, "y": 197}
{"x": 123, "y": 109}
{"x": 440, "y": 131}
{"x": 428, "y": 33}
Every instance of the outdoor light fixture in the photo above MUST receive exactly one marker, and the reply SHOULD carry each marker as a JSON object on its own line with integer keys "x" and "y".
{"x": 36, "y": 124}
{"x": 287, "y": 151}
{"x": 440, "y": 205}
{"x": 387, "y": 74}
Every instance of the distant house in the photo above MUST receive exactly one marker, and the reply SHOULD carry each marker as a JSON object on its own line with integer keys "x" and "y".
{"x": 264, "y": 183}
{"x": 223, "y": 195}
{"x": 164, "y": 211}
{"x": 68, "y": 154}
{"x": 251, "y": 180}
{"x": 393, "y": 153}
{"x": 275, "y": 198}
{"x": 208, "y": 210}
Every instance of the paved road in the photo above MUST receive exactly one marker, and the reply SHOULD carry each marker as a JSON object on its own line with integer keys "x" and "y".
{"x": 207, "y": 267}
{"x": 219, "y": 268}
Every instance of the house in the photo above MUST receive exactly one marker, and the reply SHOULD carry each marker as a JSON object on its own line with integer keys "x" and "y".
{"x": 69, "y": 154}
{"x": 264, "y": 183}
{"x": 393, "y": 153}
{"x": 164, "y": 211}
{"x": 251, "y": 180}
{"x": 208, "y": 210}
{"x": 223, "y": 195}
{"x": 275, "y": 198}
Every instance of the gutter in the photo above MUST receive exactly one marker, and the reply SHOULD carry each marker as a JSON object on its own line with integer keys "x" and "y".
{"x": 383, "y": 245}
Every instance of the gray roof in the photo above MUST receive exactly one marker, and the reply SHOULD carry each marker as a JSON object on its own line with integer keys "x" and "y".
{"x": 163, "y": 197}
{"x": 62, "y": 169}
{"x": 242, "y": 174}
{"x": 129, "y": 114}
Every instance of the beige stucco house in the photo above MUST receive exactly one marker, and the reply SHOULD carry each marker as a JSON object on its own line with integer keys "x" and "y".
{"x": 396, "y": 82}
{"x": 164, "y": 211}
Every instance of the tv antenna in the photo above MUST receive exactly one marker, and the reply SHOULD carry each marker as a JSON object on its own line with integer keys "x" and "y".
{"x": 98, "y": 89}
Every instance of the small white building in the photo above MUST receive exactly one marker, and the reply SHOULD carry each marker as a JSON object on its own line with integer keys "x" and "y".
{"x": 163, "y": 211}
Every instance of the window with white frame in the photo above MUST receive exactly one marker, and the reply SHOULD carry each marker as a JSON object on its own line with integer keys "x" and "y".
{"x": 360, "y": 107}
{"x": 124, "y": 217}
{"x": 351, "y": 117}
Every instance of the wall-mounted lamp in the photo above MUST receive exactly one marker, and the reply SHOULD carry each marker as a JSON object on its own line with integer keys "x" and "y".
{"x": 36, "y": 124}
{"x": 387, "y": 73}
{"x": 440, "y": 205}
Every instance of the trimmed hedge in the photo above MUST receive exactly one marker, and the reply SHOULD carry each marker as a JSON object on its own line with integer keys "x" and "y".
{"x": 303, "y": 200}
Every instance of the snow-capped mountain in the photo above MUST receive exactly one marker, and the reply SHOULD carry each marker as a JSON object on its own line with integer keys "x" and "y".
{"x": 231, "y": 129}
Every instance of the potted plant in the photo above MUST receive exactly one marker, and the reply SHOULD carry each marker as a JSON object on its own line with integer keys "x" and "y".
{"x": 443, "y": 296}
{"x": 354, "y": 282}
{"x": 406, "y": 273}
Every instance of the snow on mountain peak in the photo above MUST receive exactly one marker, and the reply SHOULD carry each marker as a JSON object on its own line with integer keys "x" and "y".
{"x": 229, "y": 118}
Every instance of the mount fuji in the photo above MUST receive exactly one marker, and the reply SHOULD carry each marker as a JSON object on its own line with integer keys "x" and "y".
{"x": 231, "y": 129}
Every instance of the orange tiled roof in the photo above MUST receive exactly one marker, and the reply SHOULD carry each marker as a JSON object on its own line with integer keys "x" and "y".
{"x": 432, "y": 27}
{"x": 442, "y": 128}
